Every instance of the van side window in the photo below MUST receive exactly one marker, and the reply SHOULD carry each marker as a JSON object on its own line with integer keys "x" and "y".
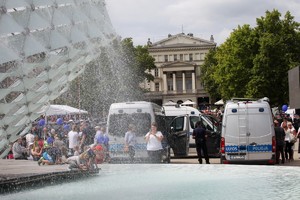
{"x": 178, "y": 124}
{"x": 160, "y": 119}
{"x": 118, "y": 124}
{"x": 193, "y": 121}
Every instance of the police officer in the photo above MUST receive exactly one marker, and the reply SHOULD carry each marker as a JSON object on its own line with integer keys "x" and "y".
{"x": 199, "y": 134}
{"x": 279, "y": 135}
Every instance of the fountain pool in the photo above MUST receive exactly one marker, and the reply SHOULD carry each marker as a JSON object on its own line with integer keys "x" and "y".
{"x": 176, "y": 181}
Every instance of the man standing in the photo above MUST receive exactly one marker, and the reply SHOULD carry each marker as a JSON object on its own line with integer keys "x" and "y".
{"x": 88, "y": 135}
{"x": 279, "y": 135}
{"x": 199, "y": 134}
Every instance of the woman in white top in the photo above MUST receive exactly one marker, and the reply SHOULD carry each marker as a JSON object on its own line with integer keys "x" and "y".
{"x": 73, "y": 139}
{"x": 290, "y": 135}
{"x": 154, "y": 146}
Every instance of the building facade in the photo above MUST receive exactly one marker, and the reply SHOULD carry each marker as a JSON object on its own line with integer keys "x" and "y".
{"x": 294, "y": 88}
{"x": 178, "y": 59}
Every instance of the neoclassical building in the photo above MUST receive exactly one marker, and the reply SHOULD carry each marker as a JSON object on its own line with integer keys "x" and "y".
{"x": 178, "y": 59}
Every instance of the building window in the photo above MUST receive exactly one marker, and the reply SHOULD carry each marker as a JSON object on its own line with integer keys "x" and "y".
{"x": 175, "y": 57}
{"x": 181, "y": 57}
{"x": 156, "y": 72}
{"x": 166, "y": 58}
{"x": 157, "y": 87}
{"x": 202, "y": 56}
{"x": 190, "y": 57}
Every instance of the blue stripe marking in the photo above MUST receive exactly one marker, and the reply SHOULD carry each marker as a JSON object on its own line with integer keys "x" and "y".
{"x": 120, "y": 147}
{"x": 250, "y": 148}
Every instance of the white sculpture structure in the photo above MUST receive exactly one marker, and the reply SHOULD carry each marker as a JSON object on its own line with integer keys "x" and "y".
{"x": 44, "y": 44}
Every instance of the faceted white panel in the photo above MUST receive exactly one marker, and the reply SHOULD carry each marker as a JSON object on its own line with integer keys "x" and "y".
{"x": 37, "y": 22}
{"x": 16, "y": 4}
{"x": 44, "y": 44}
{"x": 7, "y": 54}
{"x": 9, "y": 25}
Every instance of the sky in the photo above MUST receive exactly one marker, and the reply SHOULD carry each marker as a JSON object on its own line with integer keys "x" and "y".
{"x": 155, "y": 19}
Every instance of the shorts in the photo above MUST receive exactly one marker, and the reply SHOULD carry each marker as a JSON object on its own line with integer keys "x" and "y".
{"x": 46, "y": 156}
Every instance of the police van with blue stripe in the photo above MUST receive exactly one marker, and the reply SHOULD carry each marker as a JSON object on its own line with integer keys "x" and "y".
{"x": 248, "y": 135}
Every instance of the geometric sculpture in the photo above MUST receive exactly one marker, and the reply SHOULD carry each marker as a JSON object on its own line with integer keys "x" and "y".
{"x": 44, "y": 44}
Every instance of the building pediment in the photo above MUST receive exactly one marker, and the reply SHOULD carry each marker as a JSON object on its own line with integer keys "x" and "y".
{"x": 179, "y": 66}
{"x": 181, "y": 40}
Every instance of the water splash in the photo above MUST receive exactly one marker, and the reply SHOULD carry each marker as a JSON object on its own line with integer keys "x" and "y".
{"x": 44, "y": 45}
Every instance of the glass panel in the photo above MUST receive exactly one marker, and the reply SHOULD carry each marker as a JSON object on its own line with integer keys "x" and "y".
{"x": 32, "y": 47}
{"x": 7, "y": 54}
{"x": 9, "y": 25}
{"x": 37, "y": 22}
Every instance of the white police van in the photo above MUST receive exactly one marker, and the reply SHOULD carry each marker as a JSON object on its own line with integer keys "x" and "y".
{"x": 248, "y": 132}
{"x": 141, "y": 114}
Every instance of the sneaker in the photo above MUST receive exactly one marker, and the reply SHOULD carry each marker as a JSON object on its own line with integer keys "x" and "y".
{"x": 40, "y": 161}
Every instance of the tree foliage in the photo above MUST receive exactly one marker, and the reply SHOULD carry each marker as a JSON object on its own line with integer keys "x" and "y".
{"x": 254, "y": 62}
{"x": 113, "y": 77}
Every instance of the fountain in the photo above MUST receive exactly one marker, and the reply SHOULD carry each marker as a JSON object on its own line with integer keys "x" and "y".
{"x": 45, "y": 44}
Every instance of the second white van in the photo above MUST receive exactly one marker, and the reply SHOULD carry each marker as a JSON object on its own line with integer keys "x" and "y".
{"x": 247, "y": 133}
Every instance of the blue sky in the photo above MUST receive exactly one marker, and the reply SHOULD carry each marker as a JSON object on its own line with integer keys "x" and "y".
{"x": 155, "y": 19}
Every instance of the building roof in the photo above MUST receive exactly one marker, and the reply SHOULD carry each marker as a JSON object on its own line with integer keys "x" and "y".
{"x": 181, "y": 41}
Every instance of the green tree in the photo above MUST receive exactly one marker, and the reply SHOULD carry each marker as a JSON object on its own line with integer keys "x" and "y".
{"x": 207, "y": 74}
{"x": 278, "y": 51}
{"x": 254, "y": 62}
{"x": 235, "y": 62}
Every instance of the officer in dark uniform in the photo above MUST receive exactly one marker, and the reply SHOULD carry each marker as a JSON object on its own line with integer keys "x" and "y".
{"x": 199, "y": 134}
{"x": 279, "y": 135}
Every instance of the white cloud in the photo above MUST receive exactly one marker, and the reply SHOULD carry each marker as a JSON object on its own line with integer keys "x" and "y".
{"x": 143, "y": 19}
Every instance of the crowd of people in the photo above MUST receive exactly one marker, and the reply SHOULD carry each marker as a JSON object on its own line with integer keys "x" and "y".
{"x": 287, "y": 132}
{"x": 78, "y": 144}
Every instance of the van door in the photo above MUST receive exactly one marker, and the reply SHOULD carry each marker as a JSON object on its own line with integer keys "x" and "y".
{"x": 213, "y": 136}
{"x": 260, "y": 134}
{"x": 179, "y": 136}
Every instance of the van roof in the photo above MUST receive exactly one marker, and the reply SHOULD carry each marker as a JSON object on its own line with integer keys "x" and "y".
{"x": 253, "y": 100}
{"x": 180, "y": 110}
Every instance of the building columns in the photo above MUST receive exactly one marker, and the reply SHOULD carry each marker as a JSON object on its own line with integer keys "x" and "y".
{"x": 193, "y": 82}
{"x": 165, "y": 84}
{"x": 174, "y": 81}
{"x": 183, "y": 82}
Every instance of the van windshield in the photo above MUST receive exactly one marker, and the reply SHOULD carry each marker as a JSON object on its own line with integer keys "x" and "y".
{"x": 118, "y": 123}
{"x": 210, "y": 123}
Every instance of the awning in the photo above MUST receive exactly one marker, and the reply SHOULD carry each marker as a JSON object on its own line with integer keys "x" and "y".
{"x": 220, "y": 102}
{"x": 188, "y": 102}
{"x": 170, "y": 103}
{"x": 63, "y": 110}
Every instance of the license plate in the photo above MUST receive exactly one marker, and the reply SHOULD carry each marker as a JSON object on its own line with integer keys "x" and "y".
{"x": 237, "y": 157}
